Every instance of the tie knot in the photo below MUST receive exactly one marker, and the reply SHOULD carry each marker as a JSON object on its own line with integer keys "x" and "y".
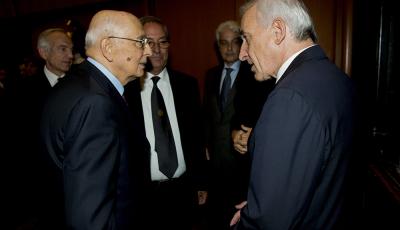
{"x": 155, "y": 79}
{"x": 228, "y": 71}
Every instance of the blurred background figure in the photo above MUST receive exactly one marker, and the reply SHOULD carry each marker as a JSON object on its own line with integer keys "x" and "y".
{"x": 36, "y": 197}
{"x": 76, "y": 32}
{"x": 28, "y": 67}
{"x": 232, "y": 98}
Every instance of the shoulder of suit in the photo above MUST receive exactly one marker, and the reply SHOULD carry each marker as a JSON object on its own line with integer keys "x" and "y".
{"x": 213, "y": 71}
{"x": 217, "y": 68}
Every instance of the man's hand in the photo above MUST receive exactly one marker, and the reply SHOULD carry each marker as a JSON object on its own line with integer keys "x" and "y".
{"x": 236, "y": 217}
{"x": 240, "y": 139}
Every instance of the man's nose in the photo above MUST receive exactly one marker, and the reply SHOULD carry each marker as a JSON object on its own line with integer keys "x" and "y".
{"x": 243, "y": 55}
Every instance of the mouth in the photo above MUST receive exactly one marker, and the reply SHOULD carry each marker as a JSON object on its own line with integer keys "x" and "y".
{"x": 155, "y": 58}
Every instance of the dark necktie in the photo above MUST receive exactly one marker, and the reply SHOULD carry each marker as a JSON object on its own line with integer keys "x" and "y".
{"x": 164, "y": 140}
{"x": 226, "y": 86}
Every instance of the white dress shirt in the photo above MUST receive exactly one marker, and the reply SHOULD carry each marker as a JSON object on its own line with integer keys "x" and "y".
{"x": 166, "y": 91}
{"x": 51, "y": 77}
{"x": 235, "y": 70}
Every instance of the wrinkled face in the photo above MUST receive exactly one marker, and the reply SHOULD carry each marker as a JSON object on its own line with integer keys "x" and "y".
{"x": 131, "y": 52}
{"x": 229, "y": 46}
{"x": 59, "y": 57}
{"x": 258, "y": 47}
{"x": 159, "y": 42}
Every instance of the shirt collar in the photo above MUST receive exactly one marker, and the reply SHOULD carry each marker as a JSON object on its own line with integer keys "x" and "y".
{"x": 51, "y": 77}
{"x": 286, "y": 64}
{"x": 163, "y": 76}
{"x": 235, "y": 66}
{"x": 114, "y": 80}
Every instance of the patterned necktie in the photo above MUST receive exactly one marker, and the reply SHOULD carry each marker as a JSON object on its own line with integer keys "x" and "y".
{"x": 226, "y": 86}
{"x": 164, "y": 139}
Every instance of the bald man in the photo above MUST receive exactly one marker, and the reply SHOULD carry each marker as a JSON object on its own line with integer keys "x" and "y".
{"x": 88, "y": 133}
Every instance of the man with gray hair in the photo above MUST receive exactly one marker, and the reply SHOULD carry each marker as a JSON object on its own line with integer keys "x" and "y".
{"x": 55, "y": 47}
{"x": 89, "y": 134}
{"x": 302, "y": 142}
{"x": 35, "y": 190}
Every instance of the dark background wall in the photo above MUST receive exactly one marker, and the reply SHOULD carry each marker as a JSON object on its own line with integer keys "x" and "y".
{"x": 191, "y": 23}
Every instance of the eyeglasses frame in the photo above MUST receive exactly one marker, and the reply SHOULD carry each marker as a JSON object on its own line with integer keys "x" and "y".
{"x": 143, "y": 42}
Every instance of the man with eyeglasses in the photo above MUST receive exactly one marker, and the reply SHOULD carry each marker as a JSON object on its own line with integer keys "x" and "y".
{"x": 232, "y": 103}
{"x": 175, "y": 177}
{"x": 89, "y": 134}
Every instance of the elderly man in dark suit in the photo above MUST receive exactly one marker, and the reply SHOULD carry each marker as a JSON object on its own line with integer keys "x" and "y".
{"x": 302, "y": 141}
{"x": 169, "y": 104}
{"x": 87, "y": 130}
{"x": 26, "y": 99}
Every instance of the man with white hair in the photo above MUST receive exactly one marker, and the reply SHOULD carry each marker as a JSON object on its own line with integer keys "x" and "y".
{"x": 301, "y": 144}
{"x": 26, "y": 101}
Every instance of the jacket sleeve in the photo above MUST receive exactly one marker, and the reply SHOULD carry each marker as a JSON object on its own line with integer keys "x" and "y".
{"x": 90, "y": 165}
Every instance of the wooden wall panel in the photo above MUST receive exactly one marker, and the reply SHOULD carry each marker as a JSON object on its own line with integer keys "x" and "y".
{"x": 192, "y": 27}
{"x": 333, "y": 23}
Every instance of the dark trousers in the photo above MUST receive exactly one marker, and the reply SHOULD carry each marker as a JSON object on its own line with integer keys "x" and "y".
{"x": 170, "y": 205}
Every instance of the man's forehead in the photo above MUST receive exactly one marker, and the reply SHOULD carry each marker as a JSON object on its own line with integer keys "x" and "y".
{"x": 248, "y": 20}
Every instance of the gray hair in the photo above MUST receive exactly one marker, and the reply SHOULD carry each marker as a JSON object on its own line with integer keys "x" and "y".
{"x": 293, "y": 12}
{"x": 231, "y": 25}
{"x": 152, "y": 19}
{"x": 43, "y": 39}
{"x": 110, "y": 26}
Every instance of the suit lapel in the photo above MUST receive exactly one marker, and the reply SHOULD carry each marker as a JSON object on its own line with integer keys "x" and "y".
{"x": 106, "y": 85}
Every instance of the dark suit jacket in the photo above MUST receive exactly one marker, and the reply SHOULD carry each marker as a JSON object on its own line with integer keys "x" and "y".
{"x": 35, "y": 194}
{"x": 300, "y": 148}
{"x": 187, "y": 105}
{"x": 29, "y": 97}
{"x": 88, "y": 132}
{"x": 218, "y": 123}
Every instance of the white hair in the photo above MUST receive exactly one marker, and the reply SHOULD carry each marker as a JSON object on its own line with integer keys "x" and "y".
{"x": 293, "y": 12}
{"x": 43, "y": 39}
{"x": 230, "y": 24}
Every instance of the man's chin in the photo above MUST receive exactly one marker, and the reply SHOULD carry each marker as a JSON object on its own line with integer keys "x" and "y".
{"x": 259, "y": 77}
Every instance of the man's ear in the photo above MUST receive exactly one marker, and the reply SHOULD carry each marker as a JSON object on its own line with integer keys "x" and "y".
{"x": 42, "y": 53}
{"x": 106, "y": 47}
{"x": 279, "y": 30}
